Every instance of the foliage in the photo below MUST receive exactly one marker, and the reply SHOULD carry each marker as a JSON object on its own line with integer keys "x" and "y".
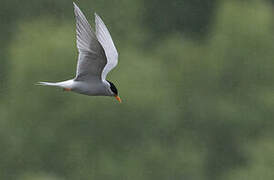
{"x": 192, "y": 109}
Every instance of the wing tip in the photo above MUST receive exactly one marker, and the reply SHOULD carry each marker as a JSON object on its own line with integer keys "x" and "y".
{"x": 74, "y": 4}
{"x": 76, "y": 8}
{"x": 97, "y": 17}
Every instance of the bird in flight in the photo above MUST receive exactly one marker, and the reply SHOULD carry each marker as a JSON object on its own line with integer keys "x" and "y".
{"x": 97, "y": 57}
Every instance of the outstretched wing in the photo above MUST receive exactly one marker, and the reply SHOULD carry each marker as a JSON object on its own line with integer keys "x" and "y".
{"x": 92, "y": 58}
{"x": 105, "y": 39}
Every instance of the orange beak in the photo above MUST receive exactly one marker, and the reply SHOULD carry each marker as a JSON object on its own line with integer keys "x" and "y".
{"x": 118, "y": 99}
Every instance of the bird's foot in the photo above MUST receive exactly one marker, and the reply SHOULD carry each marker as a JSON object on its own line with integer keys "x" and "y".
{"x": 66, "y": 89}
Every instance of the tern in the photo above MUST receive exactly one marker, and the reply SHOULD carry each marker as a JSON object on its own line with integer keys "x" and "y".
{"x": 97, "y": 57}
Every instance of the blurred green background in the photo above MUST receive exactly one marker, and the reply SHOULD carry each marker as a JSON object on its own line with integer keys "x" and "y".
{"x": 195, "y": 76}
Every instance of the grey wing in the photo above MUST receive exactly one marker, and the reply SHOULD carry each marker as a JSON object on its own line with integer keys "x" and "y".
{"x": 92, "y": 58}
{"x": 105, "y": 39}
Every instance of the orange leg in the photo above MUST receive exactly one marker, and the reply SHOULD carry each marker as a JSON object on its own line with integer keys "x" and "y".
{"x": 67, "y": 89}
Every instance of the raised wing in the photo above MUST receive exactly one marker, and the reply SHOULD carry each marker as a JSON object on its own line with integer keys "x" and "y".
{"x": 105, "y": 39}
{"x": 92, "y": 58}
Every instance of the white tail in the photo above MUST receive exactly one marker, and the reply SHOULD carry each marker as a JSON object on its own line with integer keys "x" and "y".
{"x": 63, "y": 84}
{"x": 47, "y": 84}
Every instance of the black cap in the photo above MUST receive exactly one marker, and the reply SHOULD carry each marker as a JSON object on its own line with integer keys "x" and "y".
{"x": 113, "y": 88}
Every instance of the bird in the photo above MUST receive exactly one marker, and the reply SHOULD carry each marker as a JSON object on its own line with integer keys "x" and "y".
{"x": 97, "y": 56}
